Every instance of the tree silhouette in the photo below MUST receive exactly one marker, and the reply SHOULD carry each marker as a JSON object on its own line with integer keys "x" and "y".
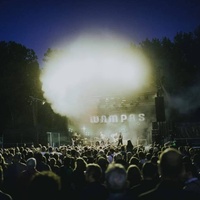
{"x": 19, "y": 72}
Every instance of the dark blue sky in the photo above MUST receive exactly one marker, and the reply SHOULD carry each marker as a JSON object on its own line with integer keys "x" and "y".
{"x": 40, "y": 24}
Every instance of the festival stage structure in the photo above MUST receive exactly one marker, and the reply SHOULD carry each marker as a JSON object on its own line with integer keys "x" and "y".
{"x": 134, "y": 117}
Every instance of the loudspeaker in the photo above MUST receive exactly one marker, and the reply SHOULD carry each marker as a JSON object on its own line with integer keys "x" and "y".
{"x": 154, "y": 125}
{"x": 160, "y": 109}
{"x": 156, "y": 137}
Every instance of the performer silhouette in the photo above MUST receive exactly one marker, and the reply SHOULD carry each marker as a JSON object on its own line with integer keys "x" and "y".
{"x": 120, "y": 139}
{"x": 102, "y": 138}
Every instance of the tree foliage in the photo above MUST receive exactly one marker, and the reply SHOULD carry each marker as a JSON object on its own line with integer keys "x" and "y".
{"x": 176, "y": 65}
{"x": 19, "y": 72}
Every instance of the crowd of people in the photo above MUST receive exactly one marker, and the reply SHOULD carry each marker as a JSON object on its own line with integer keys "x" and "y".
{"x": 104, "y": 172}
